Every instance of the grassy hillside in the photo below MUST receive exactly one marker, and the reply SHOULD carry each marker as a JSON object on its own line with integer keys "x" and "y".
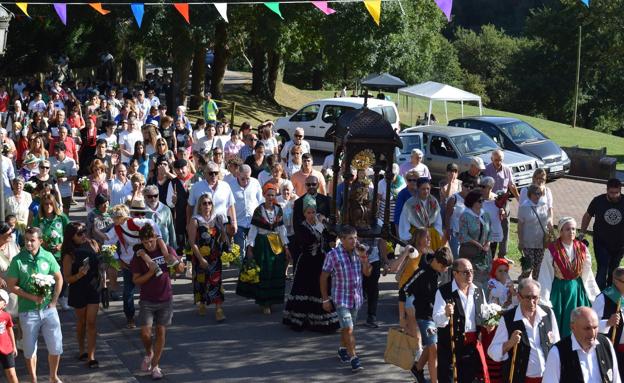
{"x": 290, "y": 98}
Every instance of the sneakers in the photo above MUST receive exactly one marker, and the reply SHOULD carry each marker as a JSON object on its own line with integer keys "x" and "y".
{"x": 130, "y": 324}
{"x": 64, "y": 303}
{"x": 356, "y": 366}
{"x": 157, "y": 373}
{"x": 343, "y": 355}
{"x": 419, "y": 375}
{"x": 146, "y": 364}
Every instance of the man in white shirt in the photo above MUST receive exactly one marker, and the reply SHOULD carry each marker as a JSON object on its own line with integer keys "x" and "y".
{"x": 37, "y": 104}
{"x": 533, "y": 328}
{"x": 296, "y": 140}
{"x": 459, "y": 300}
{"x": 143, "y": 104}
{"x": 416, "y": 163}
{"x": 606, "y": 308}
{"x": 127, "y": 139}
{"x": 222, "y": 197}
{"x": 248, "y": 195}
{"x": 119, "y": 187}
{"x": 584, "y": 356}
{"x": 153, "y": 99}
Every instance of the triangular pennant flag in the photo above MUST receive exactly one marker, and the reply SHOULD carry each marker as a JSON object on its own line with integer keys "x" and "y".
{"x": 183, "y": 8}
{"x": 138, "y": 9}
{"x": 446, "y": 6}
{"x": 23, "y": 7}
{"x": 586, "y": 2}
{"x": 61, "y": 11}
{"x": 322, "y": 5}
{"x": 374, "y": 8}
{"x": 222, "y": 9}
{"x": 275, "y": 8}
{"x": 98, "y": 7}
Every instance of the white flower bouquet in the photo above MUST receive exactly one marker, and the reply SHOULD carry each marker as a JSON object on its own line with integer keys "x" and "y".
{"x": 491, "y": 314}
{"x": 30, "y": 186}
{"x": 41, "y": 284}
{"x": 85, "y": 184}
{"x": 60, "y": 173}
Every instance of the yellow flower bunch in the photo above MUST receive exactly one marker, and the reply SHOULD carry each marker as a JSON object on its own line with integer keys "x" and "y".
{"x": 250, "y": 273}
{"x": 204, "y": 251}
{"x": 231, "y": 257}
{"x": 390, "y": 247}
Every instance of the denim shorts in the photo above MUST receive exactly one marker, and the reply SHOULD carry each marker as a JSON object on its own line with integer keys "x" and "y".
{"x": 45, "y": 322}
{"x": 428, "y": 332}
{"x": 409, "y": 302}
{"x": 346, "y": 316}
{"x": 155, "y": 313}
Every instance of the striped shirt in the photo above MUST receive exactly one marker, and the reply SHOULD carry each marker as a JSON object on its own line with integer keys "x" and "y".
{"x": 346, "y": 273}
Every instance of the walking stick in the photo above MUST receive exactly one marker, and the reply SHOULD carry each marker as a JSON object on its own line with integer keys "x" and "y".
{"x": 513, "y": 362}
{"x": 453, "y": 358}
{"x": 617, "y": 311}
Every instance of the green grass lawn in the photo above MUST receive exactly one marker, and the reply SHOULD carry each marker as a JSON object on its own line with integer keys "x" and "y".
{"x": 290, "y": 99}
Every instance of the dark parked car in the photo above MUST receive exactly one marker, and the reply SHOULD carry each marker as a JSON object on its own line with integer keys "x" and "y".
{"x": 518, "y": 136}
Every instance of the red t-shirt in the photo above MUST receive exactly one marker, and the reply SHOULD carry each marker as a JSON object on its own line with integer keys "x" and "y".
{"x": 4, "y": 102}
{"x": 6, "y": 344}
{"x": 156, "y": 289}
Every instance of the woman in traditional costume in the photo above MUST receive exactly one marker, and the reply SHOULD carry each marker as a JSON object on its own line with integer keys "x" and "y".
{"x": 566, "y": 275}
{"x": 266, "y": 244}
{"x": 422, "y": 210}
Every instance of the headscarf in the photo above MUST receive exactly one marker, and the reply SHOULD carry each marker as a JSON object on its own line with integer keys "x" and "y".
{"x": 564, "y": 221}
{"x": 309, "y": 202}
{"x": 498, "y": 262}
{"x": 269, "y": 186}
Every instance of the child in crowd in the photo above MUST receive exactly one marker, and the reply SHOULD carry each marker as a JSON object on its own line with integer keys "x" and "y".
{"x": 500, "y": 286}
{"x": 8, "y": 351}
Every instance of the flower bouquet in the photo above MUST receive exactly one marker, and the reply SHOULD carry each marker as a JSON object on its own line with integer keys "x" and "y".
{"x": 60, "y": 173}
{"x": 41, "y": 285}
{"x": 109, "y": 256}
{"x": 491, "y": 314}
{"x": 231, "y": 257}
{"x": 51, "y": 241}
{"x": 85, "y": 184}
{"x": 30, "y": 186}
{"x": 115, "y": 147}
{"x": 250, "y": 273}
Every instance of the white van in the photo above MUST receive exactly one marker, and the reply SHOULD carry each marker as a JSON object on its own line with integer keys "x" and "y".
{"x": 318, "y": 116}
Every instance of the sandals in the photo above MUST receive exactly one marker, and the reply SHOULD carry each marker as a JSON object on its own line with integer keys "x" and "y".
{"x": 93, "y": 364}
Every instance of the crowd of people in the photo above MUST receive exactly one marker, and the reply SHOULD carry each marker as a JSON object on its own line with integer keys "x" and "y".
{"x": 166, "y": 196}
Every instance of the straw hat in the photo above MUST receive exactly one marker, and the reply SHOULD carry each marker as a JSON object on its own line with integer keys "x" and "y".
{"x": 31, "y": 159}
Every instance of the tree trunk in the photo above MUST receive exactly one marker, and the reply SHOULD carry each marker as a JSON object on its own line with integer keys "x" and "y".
{"x": 140, "y": 64}
{"x": 198, "y": 75}
{"x": 221, "y": 57}
{"x": 259, "y": 85}
{"x": 274, "y": 64}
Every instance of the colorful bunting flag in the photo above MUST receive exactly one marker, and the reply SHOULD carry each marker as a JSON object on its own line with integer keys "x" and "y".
{"x": 322, "y": 5}
{"x": 61, "y": 11}
{"x": 23, "y": 7}
{"x": 446, "y": 6}
{"x": 183, "y": 8}
{"x": 98, "y": 7}
{"x": 138, "y": 9}
{"x": 222, "y": 9}
{"x": 374, "y": 8}
{"x": 586, "y": 2}
{"x": 275, "y": 8}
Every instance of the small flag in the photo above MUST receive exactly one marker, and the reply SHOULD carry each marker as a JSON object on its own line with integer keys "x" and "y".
{"x": 138, "y": 9}
{"x": 322, "y": 5}
{"x": 23, "y": 7}
{"x": 98, "y": 7}
{"x": 586, "y": 2}
{"x": 275, "y": 8}
{"x": 222, "y": 9}
{"x": 374, "y": 8}
{"x": 183, "y": 8}
{"x": 61, "y": 11}
{"x": 446, "y": 6}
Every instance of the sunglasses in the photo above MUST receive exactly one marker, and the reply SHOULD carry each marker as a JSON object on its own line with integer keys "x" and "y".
{"x": 311, "y": 184}
{"x": 412, "y": 180}
{"x": 298, "y": 136}
{"x": 161, "y": 144}
{"x": 214, "y": 174}
{"x": 152, "y": 196}
{"x": 44, "y": 167}
{"x": 207, "y": 203}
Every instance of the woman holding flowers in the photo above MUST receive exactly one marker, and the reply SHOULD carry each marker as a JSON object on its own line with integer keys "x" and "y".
{"x": 81, "y": 271}
{"x": 267, "y": 245}
{"x": 207, "y": 236}
{"x": 98, "y": 183}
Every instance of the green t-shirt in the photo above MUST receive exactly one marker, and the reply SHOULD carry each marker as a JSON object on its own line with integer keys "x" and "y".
{"x": 52, "y": 230}
{"x": 23, "y": 266}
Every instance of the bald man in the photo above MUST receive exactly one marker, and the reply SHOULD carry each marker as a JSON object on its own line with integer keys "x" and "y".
{"x": 459, "y": 299}
{"x": 583, "y": 356}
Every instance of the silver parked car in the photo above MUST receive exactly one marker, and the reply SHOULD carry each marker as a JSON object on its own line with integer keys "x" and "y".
{"x": 442, "y": 145}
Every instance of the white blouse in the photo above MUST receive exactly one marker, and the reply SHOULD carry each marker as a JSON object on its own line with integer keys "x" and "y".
{"x": 270, "y": 216}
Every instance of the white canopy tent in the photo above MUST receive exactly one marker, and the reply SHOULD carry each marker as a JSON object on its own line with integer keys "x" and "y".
{"x": 434, "y": 91}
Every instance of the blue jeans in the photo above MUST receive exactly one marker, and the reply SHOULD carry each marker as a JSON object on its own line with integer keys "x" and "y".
{"x": 240, "y": 238}
{"x": 128, "y": 293}
{"x": 46, "y": 322}
{"x": 607, "y": 260}
{"x": 454, "y": 245}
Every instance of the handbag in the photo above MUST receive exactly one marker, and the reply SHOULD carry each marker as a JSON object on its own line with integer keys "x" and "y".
{"x": 400, "y": 349}
{"x": 549, "y": 236}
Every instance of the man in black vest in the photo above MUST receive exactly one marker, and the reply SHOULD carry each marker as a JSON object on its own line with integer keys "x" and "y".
{"x": 609, "y": 317}
{"x": 460, "y": 300}
{"x": 585, "y": 356}
{"x": 533, "y": 328}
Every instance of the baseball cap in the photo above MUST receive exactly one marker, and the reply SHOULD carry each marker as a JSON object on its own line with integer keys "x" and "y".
{"x": 4, "y": 296}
